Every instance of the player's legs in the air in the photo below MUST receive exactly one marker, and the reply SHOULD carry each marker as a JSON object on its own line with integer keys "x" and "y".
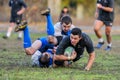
{"x": 30, "y": 49}
{"x": 50, "y": 27}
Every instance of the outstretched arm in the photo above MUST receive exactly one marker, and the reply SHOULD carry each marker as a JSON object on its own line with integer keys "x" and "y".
{"x": 64, "y": 58}
{"x": 90, "y": 61}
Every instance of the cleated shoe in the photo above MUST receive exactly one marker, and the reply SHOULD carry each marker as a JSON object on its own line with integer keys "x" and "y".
{"x": 99, "y": 45}
{"x": 21, "y": 26}
{"x": 45, "y": 12}
{"x": 108, "y": 48}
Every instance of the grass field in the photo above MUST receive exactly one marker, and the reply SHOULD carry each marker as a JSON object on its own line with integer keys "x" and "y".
{"x": 16, "y": 65}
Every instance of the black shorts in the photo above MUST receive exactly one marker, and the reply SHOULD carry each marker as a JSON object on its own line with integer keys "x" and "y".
{"x": 106, "y": 23}
{"x": 59, "y": 63}
{"x": 16, "y": 19}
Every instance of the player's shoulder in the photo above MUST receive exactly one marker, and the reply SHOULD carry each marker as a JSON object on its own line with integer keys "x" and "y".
{"x": 66, "y": 38}
{"x": 86, "y": 38}
{"x": 84, "y": 35}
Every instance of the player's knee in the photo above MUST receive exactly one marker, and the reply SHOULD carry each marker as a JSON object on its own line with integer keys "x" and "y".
{"x": 29, "y": 52}
{"x": 12, "y": 24}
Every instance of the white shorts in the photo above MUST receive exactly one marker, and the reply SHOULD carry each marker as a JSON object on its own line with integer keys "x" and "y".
{"x": 35, "y": 57}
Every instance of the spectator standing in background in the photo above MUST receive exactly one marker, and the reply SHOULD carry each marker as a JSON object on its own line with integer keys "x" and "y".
{"x": 64, "y": 12}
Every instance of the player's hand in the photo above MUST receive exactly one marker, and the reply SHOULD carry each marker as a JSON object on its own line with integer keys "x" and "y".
{"x": 19, "y": 13}
{"x": 86, "y": 69}
{"x": 96, "y": 15}
{"x": 99, "y": 6}
{"x": 54, "y": 50}
{"x": 73, "y": 56}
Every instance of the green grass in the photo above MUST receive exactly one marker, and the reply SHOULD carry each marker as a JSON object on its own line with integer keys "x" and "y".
{"x": 16, "y": 65}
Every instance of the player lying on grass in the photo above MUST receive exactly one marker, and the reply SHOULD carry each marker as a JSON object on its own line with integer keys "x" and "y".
{"x": 40, "y": 46}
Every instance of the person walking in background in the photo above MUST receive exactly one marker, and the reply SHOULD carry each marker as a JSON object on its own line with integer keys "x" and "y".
{"x": 18, "y": 7}
{"x": 104, "y": 16}
{"x": 64, "y": 12}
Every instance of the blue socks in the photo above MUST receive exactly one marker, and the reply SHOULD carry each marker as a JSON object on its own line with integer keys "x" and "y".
{"x": 27, "y": 39}
{"x": 50, "y": 27}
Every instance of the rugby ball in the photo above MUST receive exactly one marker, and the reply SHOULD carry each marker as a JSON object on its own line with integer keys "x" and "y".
{"x": 68, "y": 51}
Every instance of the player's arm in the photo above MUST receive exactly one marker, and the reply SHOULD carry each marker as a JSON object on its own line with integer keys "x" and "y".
{"x": 90, "y": 50}
{"x": 61, "y": 49}
{"x": 108, "y": 9}
{"x": 64, "y": 58}
{"x": 90, "y": 61}
{"x": 21, "y": 11}
{"x": 97, "y": 9}
{"x": 96, "y": 12}
{"x": 60, "y": 57}
{"x": 24, "y": 7}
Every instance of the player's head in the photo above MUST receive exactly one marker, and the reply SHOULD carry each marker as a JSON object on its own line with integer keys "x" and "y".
{"x": 75, "y": 36}
{"x": 44, "y": 59}
{"x": 65, "y": 10}
{"x": 66, "y": 23}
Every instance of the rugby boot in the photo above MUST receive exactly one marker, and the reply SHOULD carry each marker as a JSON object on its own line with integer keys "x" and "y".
{"x": 108, "y": 48}
{"x": 21, "y": 26}
{"x": 45, "y": 12}
{"x": 99, "y": 45}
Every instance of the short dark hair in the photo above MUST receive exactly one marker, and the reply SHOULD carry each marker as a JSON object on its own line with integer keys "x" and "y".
{"x": 66, "y": 20}
{"x": 76, "y": 31}
{"x": 45, "y": 61}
